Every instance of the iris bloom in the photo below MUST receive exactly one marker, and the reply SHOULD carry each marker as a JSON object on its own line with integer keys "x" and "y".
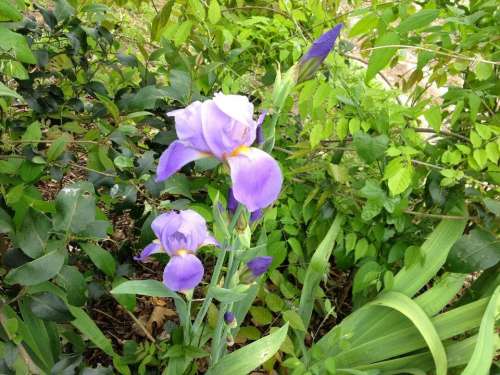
{"x": 314, "y": 57}
{"x": 224, "y": 128}
{"x": 180, "y": 235}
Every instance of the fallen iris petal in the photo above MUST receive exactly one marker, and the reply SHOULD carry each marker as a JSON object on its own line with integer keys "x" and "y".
{"x": 256, "y": 178}
{"x": 259, "y": 265}
{"x": 152, "y": 248}
{"x": 183, "y": 272}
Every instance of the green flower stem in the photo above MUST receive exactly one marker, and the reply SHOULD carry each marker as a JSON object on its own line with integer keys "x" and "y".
{"x": 220, "y": 334}
{"x": 206, "y": 302}
{"x": 188, "y": 326}
{"x": 215, "y": 276}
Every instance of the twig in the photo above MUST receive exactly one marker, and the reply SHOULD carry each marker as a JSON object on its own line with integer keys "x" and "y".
{"x": 91, "y": 170}
{"x": 257, "y": 7}
{"x": 403, "y": 46}
{"x": 141, "y": 326}
{"x": 435, "y": 216}
{"x": 443, "y": 132}
{"x": 52, "y": 141}
{"x": 386, "y": 80}
{"x": 32, "y": 367}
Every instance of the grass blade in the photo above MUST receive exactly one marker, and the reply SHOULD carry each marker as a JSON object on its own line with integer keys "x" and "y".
{"x": 412, "y": 311}
{"x": 435, "y": 251}
{"x": 484, "y": 351}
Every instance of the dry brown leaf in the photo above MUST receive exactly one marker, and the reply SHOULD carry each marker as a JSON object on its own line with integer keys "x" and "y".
{"x": 158, "y": 317}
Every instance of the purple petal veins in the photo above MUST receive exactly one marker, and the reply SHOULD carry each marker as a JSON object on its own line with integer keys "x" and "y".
{"x": 183, "y": 272}
{"x": 256, "y": 178}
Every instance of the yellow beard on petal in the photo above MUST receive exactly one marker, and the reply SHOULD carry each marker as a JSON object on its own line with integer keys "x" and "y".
{"x": 238, "y": 150}
{"x": 182, "y": 252}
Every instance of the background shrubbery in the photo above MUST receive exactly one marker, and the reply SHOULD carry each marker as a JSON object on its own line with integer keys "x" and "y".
{"x": 398, "y": 132}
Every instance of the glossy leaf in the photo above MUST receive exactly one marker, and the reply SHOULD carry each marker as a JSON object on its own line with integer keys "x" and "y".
{"x": 248, "y": 358}
{"x": 75, "y": 207}
{"x": 38, "y": 270}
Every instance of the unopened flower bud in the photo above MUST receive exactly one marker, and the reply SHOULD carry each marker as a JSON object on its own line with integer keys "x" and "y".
{"x": 230, "y": 319}
{"x": 314, "y": 57}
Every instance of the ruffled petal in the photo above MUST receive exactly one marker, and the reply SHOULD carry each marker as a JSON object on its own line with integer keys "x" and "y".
{"x": 152, "y": 248}
{"x": 237, "y": 107}
{"x": 183, "y": 272}
{"x": 168, "y": 222}
{"x": 174, "y": 158}
{"x": 224, "y": 133}
{"x": 188, "y": 126}
{"x": 256, "y": 178}
{"x": 209, "y": 240}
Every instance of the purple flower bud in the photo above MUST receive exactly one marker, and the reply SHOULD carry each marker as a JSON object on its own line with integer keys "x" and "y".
{"x": 256, "y": 215}
{"x": 311, "y": 61}
{"x": 259, "y": 138}
{"x": 259, "y": 265}
{"x": 232, "y": 203}
{"x": 230, "y": 319}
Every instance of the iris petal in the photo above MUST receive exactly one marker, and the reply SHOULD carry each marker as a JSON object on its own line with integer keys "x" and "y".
{"x": 152, "y": 248}
{"x": 183, "y": 272}
{"x": 237, "y": 107}
{"x": 188, "y": 126}
{"x": 174, "y": 158}
{"x": 256, "y": 178}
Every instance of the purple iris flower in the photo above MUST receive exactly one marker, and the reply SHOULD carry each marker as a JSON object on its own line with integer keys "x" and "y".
{"x": 180, "y": 235}
{"x": 259, "y": 265}
{"x": 311, "y": 61}
{"x": 223, "y": 127}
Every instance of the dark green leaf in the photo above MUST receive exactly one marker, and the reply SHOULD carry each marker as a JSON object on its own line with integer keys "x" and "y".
{"x": 474, "y": 252}
{"x": 100, "y": 257}
{"x": 39, "y": 270}
{"x": 48, "y": 306}
{"x": 75, "y": 207}
{"x": 34, "y": 234}
{"x": 57, "y": 148}
{"x": 5, "y": 222}
{"x": 73, "y": 281}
